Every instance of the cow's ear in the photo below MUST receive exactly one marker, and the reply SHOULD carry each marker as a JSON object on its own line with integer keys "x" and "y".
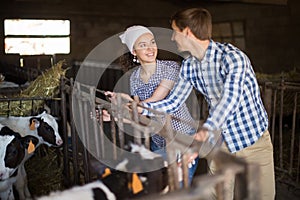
{"x": 31, "y": 147}
{"x": 34, "y": 123}
{"x": 30, "y": 142}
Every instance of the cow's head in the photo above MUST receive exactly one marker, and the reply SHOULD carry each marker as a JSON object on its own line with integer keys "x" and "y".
{"x": 12, "y": 151}
{"x": 131, "y": 174}
{"x": 140, "y": 159}
{"x": 47, "y": 129}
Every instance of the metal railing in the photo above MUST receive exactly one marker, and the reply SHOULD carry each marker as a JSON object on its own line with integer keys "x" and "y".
{"x": 83, "y": 139}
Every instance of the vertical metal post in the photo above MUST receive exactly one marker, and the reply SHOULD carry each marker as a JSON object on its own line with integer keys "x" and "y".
{"x": 274, "y": 116}
{"x": 66, "y": 164}
{"x": 74, "y": 136}
{"x": 95, "y": 132}
{"x": 293, "y": 135}
{"x": 280, "y": 125}
{"x": 113, "y": 128}
{"x": 136, "y": 132}
{"x": 86, "y": 137}
{"x": 120, "y": 120}
{"x": 101, "y": 132}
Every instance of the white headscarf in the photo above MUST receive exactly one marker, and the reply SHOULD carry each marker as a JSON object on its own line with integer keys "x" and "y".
{"x": 132, "y": 34}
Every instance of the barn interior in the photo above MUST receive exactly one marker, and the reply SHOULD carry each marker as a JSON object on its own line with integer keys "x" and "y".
{"x": 41, "y": 63}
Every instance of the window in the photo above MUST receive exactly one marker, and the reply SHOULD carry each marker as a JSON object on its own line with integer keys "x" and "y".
{"x": 36, "y": 36}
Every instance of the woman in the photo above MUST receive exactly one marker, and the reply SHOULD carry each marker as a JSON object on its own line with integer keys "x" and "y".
{"x": 152, "y": 80}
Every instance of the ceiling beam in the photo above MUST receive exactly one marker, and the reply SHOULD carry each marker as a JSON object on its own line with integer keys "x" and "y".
{"x": 277, "y": 2}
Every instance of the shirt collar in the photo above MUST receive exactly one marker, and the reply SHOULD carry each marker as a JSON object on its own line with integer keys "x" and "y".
{"x": 209, "y": 53}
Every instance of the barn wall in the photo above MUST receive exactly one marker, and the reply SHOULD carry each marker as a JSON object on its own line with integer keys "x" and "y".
{"x": 271, "y": 31}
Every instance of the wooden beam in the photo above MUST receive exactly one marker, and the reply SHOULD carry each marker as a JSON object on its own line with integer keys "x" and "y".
{"x": 275, "y": 2}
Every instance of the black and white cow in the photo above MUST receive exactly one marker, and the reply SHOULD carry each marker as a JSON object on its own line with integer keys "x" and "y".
{"x": 117, "y": 181}
{"x": 92, "y": 191}
{"x": 151, "y": 167}
{"x": 42, "y": 126}
{"x": 135, "y": 173}
{"x": 13, "y": 149}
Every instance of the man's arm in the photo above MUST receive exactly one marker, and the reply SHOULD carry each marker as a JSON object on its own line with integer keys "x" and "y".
{"x": 235, "y": 65}
{"x": 178, "y": 96}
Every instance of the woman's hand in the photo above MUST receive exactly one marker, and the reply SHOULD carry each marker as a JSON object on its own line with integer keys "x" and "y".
{"x": 201, "y": 135}
{"x": 106, "y": 116}
{"x": 110, "y": 95}
{"x": 113, "y": 96}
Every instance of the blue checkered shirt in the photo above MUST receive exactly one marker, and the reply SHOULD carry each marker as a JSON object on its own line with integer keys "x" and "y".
{"x": 227, "y": 81}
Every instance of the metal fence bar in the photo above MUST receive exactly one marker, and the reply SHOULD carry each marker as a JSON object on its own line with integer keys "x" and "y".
{"x": 120, "y": 121}
{"x": 136, "y": 132}
{"x": 101, "y": 132}
{"x": 293, "y": 135}
{"x": 86, "y": 134}
{"x": 280, "y": 127}
{"x": 114, "y": 137}
{"x": 298, "y": 164}
{"x": 285, "y": 127}
{"x": 274, "y": 111}
{"x": 66, "y": 160}
{"x": 273, "y": 116}
{"x": 74, "y": 139}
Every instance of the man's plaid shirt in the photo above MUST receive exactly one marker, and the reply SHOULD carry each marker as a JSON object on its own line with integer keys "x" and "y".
{"x": 226, "y": 79}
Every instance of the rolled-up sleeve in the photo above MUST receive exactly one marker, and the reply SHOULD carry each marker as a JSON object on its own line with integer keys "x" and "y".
{"x": 177, "y": 97}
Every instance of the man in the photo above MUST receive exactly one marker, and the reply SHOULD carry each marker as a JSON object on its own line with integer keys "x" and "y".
{"x": 225, "y": 77}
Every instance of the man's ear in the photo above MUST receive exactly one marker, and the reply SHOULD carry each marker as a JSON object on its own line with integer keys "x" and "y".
{"x": 189, "y": 32}
{"x": 186, "y": 31}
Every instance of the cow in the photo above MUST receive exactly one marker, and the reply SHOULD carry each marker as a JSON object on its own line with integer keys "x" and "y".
{"x": 92, "y": 191}
{"x": 13, "y": 148}
{"x": 135, "y": 173}
{"x": 119, "y": 180}
{"x": 42, "y": 126}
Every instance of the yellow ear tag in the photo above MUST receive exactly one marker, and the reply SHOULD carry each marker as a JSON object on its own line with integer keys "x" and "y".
{"x": 31, "y": 147}
{"x": 137, "y": 185}
{"x": 106, "y": 172}
{"x": 32, "y": 126}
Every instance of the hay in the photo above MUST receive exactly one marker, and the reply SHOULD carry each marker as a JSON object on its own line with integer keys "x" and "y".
{"x": 45, "y": 172}
{"x": 45, "y": 85}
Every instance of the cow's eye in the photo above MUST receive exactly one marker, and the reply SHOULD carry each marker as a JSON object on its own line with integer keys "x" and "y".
{"x": 12, "y": 153}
